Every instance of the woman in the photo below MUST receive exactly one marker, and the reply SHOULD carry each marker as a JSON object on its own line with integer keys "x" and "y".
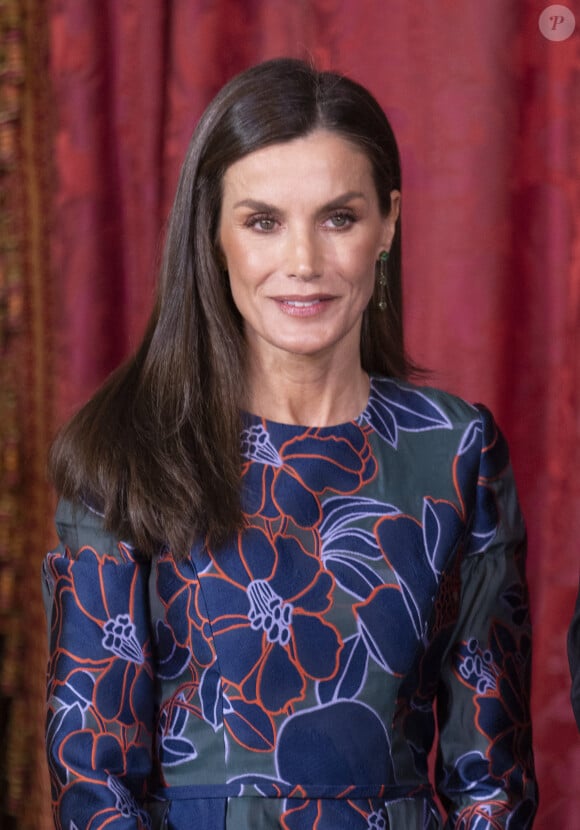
{"x": 256, "y": 639}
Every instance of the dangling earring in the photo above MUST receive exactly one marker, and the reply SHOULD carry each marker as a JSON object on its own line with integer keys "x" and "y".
{"x": 383, "y": 257}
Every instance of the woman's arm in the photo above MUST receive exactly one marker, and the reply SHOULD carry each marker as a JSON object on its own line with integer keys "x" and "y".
{"x": 100, "y": 677}
{"x": 485, "y": 762}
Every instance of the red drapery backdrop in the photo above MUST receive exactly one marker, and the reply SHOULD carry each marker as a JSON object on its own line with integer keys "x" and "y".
{"x": 486, "y": 110}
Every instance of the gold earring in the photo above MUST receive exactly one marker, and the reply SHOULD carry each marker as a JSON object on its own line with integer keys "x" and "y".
{"x": 382, "y": 280}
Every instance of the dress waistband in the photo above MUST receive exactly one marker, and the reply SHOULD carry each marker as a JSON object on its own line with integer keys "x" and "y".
{"x": 251, "y": 787}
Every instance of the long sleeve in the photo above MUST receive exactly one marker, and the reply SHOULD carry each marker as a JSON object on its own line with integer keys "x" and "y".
{"x": 485, "y": 764}
{"x": 100, "y": 677}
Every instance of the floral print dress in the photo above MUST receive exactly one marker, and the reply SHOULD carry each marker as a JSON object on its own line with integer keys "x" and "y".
{"x": 294, "y": 678}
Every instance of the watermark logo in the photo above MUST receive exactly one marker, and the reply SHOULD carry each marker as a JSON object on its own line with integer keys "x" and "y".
{"x": 557, "y": 22}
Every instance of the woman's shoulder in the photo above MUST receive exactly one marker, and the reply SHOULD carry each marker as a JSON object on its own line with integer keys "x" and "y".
{"x": 80, "y": 525}
{"x": 427, "y": 404}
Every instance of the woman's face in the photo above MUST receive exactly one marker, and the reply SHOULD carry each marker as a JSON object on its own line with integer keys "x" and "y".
{"x": 300, "y": 231}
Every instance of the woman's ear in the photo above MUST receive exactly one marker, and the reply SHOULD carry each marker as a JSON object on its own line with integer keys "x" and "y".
{"x": 390, "y": 222}
{"x": 395, "y": 204}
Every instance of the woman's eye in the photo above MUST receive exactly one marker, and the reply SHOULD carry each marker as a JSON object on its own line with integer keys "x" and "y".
{"x": 341, "y": 220}
{"x": 262, "y": 223}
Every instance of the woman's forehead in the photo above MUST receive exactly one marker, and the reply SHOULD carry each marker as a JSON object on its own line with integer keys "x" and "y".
{"x": 322, "y": 161}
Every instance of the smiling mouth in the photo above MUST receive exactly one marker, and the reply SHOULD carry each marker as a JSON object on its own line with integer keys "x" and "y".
{"x": 310, "y": 307}
{"x": 300, "y": 302}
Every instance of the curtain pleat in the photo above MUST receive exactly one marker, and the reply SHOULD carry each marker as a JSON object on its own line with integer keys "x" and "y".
{"x": 26, "y": 412}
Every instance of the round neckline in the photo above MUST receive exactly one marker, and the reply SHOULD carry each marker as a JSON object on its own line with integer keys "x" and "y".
{"x": 282, "y": 425}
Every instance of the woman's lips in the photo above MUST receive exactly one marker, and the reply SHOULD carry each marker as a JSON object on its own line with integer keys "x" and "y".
{"x": 303, "y": 306}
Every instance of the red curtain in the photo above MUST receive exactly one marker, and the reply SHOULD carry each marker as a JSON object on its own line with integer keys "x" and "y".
{"x": 486, "y": 111}
{"x": 26, "y": 421}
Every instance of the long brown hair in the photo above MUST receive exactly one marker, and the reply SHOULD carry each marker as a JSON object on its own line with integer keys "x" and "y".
{"x": 157, "y": 447}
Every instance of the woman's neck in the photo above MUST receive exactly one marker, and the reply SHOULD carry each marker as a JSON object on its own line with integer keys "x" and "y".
{"x": 308, "y": 392}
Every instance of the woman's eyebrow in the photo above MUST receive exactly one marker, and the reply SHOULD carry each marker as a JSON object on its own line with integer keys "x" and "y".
{"x": 265, "y": 207}
{"x": 344, "y": 197}
{"x": 255, "y": 204}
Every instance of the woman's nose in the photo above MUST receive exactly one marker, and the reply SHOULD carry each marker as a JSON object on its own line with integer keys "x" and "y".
{"x": 304, "y": 254}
